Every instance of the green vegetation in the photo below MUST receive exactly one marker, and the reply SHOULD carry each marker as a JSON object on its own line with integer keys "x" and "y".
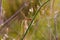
{"x": 38, "y": 20}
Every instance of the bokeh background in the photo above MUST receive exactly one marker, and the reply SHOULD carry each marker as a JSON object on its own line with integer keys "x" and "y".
{"x": 44, "y": 26}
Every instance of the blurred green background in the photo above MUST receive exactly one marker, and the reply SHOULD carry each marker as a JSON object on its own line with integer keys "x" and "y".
{"x": 45, "y": 26}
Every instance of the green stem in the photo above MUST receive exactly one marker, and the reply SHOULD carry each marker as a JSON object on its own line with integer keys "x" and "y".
{"x": 36, "y": 13}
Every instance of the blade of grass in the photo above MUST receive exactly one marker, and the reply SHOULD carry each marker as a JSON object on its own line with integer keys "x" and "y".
{"x": 33, "y": 19}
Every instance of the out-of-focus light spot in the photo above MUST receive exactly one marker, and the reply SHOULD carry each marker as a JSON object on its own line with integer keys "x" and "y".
{"x": 31, "y": 10}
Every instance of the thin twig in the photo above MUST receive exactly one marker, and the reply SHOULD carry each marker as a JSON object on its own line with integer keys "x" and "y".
{"x": 13, "y": 16}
